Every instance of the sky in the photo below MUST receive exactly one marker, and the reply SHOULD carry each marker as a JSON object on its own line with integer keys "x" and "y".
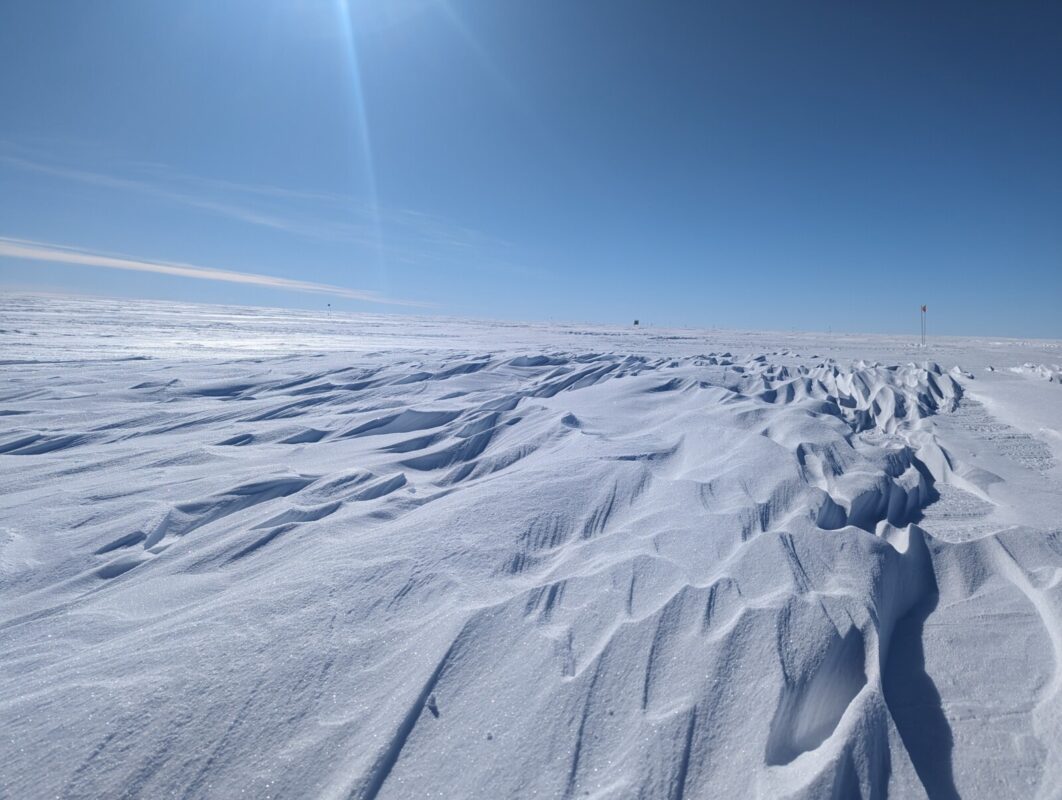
{"x": 777, "y": 164}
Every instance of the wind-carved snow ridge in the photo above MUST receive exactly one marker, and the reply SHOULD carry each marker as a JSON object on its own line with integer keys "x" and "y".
{"x": 1049, "y": 372}
{"x": 543, "y": 571}
{"x": 867, "y": 396}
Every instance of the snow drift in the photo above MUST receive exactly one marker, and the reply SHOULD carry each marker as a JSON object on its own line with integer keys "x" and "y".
{"x": 546, "y": 565}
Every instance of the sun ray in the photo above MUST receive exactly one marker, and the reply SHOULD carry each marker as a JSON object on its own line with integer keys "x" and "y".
{"x": 364, "y": 157}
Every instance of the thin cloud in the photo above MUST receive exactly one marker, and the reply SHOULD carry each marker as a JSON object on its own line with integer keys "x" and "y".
{"x": 59, "y": 254}
{"x": 409, "y": 237}
{"x": 324, "y": 216}
{"x": 232, "y": 210}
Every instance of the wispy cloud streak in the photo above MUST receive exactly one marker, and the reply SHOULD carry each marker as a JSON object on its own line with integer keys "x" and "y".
{"x": 58, "y": 254}
{"x": 231, "y": 210}
{"x": 351, "y": 220}
{"x": 398, "y": 236}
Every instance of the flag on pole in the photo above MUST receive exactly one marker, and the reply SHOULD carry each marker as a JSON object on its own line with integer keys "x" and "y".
{"x": 923, "y": 309}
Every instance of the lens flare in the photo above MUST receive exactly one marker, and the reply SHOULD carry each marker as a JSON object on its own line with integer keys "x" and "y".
{"x": 365, "y": 164}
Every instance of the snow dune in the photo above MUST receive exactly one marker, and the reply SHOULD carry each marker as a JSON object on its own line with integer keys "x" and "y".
{"x": 367, "y": 558}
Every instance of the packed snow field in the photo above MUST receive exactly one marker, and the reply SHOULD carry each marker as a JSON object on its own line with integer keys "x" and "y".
{"x": 280, "y": 554}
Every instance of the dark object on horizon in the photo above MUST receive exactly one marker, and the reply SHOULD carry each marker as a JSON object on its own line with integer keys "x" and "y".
{"x": 636, "y": 323}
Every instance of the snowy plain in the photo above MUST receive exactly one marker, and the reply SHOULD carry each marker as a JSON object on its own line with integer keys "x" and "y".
{"x": 263, "y": 553}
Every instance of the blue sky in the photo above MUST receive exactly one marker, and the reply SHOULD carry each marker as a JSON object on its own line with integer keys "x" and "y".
{"x": 739, "y": 164}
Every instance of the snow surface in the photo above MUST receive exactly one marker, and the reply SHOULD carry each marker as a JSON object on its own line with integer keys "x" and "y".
{"x": 261, "y": 553}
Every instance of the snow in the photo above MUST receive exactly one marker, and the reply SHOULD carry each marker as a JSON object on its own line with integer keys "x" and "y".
{"x": 1051, "y": 372}
{"x": 286, "y": 554}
